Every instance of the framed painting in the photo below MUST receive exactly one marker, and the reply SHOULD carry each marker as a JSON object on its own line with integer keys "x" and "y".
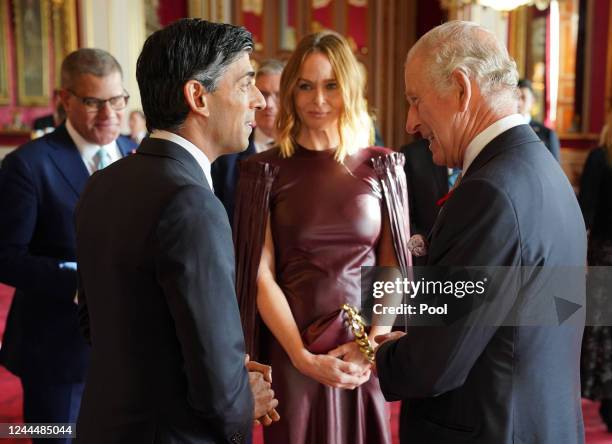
{"x": 289, "y": 16}
{"x": 251, "y": 17}
{"x": 5, "y": 97}
{"x": 64, "y": 32}
{"x": 32, "y": 47}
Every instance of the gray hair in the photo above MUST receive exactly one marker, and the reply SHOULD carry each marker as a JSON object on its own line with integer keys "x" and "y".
{"x": 94, "y": 61}
{"x": 474, "y": 50}
{"x": 270, "y": 67}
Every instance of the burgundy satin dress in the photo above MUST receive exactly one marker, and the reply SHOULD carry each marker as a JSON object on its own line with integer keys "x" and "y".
{"x": 326, "y": 224}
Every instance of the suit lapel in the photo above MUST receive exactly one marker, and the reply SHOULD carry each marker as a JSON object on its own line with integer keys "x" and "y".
{"x": 67, "y": 159}
{"x": 517, "y": 135}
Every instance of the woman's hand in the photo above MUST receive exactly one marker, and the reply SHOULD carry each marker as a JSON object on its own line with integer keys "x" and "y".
{"x": 331, "y": 371}
{"x": 350, "y": 352}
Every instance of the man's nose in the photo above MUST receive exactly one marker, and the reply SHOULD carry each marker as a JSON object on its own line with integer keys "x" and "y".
{"x": 258, "y": 102}
{"x": 412, "y": 121}
{"x": 106, "y": 110}
{"x": 271, "y": 101}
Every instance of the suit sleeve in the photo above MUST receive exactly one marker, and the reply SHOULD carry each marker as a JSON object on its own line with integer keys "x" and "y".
{"x": 20, "y": 266}
{"x": 83, "y": 312}
{"x": 195, "y": 268}
{"x": 554, "y": 145}
{"x": 478, "y": 228}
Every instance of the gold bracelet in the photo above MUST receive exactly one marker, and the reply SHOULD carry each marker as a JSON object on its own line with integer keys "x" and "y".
{"x": 356, "y": 323}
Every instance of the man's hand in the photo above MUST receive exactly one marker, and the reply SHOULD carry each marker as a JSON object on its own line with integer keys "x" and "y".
{"x": 381, "y": 339}
{"x": 260, "y": 379}
{"x": 254, "y": 366}
{"x": 391, "y": 336}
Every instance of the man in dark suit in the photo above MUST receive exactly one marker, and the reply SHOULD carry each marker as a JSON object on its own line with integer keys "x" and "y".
{"x": 546, "y": 135}
{"x": 504, "y": 370}
{"x": 40, "y": 183}
{"x": 225, "y": 168}
{"x": 156, "y": 261}
{"x": 427, "y": 183}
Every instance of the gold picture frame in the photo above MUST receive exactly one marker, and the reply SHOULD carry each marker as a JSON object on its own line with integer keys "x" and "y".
{"x": 5, "y": 95}
{"x": 32, "y": 45}
{"x": 63, "y": 20}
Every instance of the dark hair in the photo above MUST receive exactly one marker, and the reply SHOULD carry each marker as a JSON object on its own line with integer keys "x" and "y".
{"x": 92, "y": 61}
{"x": 188, "y": 49}
{"x": 525, "y": 83}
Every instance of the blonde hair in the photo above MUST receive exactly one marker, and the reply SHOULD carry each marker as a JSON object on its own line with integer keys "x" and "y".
{"x": 355, "y": 123}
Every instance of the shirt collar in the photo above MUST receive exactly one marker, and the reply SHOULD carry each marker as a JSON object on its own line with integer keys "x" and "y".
{"x": 484, "y": 137}
{"x": 88, "y": 150}
{"x": 197, "y": 153}
{"x": 262, "y": 142}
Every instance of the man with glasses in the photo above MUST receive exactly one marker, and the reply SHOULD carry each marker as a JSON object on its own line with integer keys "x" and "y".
{"x": 40, "y": 184}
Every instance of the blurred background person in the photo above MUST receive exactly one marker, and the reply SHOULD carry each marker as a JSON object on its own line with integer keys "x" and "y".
{"x": 546, "y": 135}
{"x": 319, "y": 199}
{"x": 263, "y": 137}
{"x": 49, "y": 122}
{"x": 40, "y": 184}
{"x": 138, "y": 126}
{"x": 596, "y": 202}
{"x": 427, "y": 184}
{"x": 267, "y": 80}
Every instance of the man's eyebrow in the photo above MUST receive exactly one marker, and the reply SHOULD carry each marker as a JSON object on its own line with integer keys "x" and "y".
{"x": 250, "y": 74}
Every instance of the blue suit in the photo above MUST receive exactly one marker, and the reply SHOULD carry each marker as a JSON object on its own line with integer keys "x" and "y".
{"x": 40, "y": 184}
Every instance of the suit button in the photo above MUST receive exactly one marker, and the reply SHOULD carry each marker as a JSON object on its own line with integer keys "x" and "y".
{"x": 237, "y": 438}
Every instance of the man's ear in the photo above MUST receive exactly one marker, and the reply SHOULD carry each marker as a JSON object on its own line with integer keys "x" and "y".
{"x": 64, "y": 95}
{"x": 196, "y": 97}
{"x": 464, "y": 88}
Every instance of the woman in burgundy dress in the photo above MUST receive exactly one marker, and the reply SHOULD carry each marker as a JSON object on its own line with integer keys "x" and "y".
{"x": 310, "y": 213}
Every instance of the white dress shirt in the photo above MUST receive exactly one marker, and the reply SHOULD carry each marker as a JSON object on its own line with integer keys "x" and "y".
{"x": 262, "y": 142}
{"x": 489, "y": 133}
{"x": 197, "y": 153}
{"x": 89, "y": 150}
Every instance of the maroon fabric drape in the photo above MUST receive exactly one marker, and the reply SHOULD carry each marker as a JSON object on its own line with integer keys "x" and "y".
{"x": 250, "y": 217}
{"x": 390, "y": 171}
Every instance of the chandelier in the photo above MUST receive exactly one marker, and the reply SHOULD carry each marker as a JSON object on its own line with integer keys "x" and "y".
{"x": 499, "y": 5}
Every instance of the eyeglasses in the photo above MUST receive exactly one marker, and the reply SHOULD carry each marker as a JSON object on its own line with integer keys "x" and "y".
{"x": 93, "y": 105}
